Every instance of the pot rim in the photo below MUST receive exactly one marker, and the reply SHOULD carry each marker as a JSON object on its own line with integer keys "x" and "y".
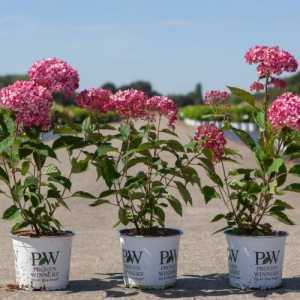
{"x": 283, "y": 234}
{"x": 179, "y": 233}
{"x": 67, "y": 233}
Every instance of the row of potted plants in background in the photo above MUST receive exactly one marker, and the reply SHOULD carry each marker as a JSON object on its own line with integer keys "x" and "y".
{"x": 145, "y": 169}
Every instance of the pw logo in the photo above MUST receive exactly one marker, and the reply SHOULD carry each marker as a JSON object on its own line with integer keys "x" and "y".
{"x": 233, "y": 255}
{"x": 44, "y": 258}
{"x": 268, "y": 257}
{"x": 132, "y": 256}
{"x": 168, "y": 256}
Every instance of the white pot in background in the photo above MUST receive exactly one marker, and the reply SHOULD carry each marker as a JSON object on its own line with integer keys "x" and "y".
{"x": 150, "y": 262}
{"x": 255, "y": 261}
{"x": 42, "y": 263}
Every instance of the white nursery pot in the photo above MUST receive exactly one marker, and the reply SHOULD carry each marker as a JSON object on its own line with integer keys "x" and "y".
{"x": 150, "y": 262}
{"x": 255, "y": 261}
{"x": 42, "y": 263}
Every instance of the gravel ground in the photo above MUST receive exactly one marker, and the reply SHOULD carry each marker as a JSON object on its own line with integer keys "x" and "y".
{"x": 96, "y": 260}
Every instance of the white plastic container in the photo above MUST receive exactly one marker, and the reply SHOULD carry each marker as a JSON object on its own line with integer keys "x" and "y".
{"x": 255, "y": 261}
{"x": 150, "y": 262}
{"x": 42, "y": 263}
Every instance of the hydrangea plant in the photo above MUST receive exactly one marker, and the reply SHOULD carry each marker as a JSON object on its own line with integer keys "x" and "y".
{"x": 252, "y": 194}
{"x": 29, "y": 173}
{"x": 132, "y": 157}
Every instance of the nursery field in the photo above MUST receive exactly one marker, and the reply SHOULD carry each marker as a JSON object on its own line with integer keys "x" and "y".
{"x": 96, "y": 267}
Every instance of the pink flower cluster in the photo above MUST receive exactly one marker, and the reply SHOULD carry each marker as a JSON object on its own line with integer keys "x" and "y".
{"x": 30, "y": 102}
{"x": 216, "y": 97}
{"x": 164, "y": 106}
{"x": 212, "y": 138}
{"x": 271, "y": 60}
{"x": 285, "y": 112}
{"x": 56, "y": 75}
{"x": 129, "y": 104}
{"x": 278, "y": 83}
{"x": 95, "y": 99}
{"x": 256, "y": 86}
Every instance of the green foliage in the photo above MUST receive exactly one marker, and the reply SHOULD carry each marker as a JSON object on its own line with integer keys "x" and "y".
{"x": 250, "y": 195}
{"x": 241, "y": 113}
{"x": 65, "y": 114}
{"x": 36, "y": 187}
{"x": 140, "y": 181}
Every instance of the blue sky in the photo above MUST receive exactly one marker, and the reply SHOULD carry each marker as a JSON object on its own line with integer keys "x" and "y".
{"x": 172, "y": 43}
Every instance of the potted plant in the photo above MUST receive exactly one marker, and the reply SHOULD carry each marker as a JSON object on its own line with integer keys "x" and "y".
{"x": 255, "y": 248}
{"x": 32, "y": 179}
{"x": 141, "y": 183}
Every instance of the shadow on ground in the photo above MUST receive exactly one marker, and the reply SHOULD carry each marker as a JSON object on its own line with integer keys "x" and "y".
{"x": 187, "y": 286}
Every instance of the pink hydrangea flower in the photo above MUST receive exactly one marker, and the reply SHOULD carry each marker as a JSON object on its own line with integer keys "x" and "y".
{"x": 95, "y": 99}
{"x": 285, "y": 112}
{"x": 31, "y": 103}
{"x": 164, "y": 106}
{"x": 256, "y": 86}
{"x": 216, "y": 97}
{"x": 56, "y": 75}
{"x": 130, "y": 103}
{"x": 271, "y": 60}
{"x": 278, "y": 83}
{"x": 212, "y": 138}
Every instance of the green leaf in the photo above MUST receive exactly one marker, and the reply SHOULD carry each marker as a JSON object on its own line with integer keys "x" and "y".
{"x": 25, "y": 167}
{"x": 244, "y": 137}
{"x": 160, "y": 214}
{"x": 209, "y": 193}
{"x": 123, "y": 216}
{"x": 52, "y": 170}
{"x": 191, "y": 175}
{"x": 83, "y": 194}
{"x": 295, "y": 170}
{"x": 39, "y": 160}
{"x": 4, "y": 176}
{"x": 282, "y": 175}
{"x": 275, "y": 166}
{"x": 294, "y": 187}
{"x": 176, "y": 205}
{"x": 10, "y": 213}
{"x": 99, "y": 202}
{"x": 53, "y": 193}
{"x": 6, "y": 143}
{"x": 218, "y": 217}
{"x": 10, "y": 124}
{"x": 106, "y": 168}
{"x": 175, "y": 145}
{"x": 185, "y": 194}
{"x": 69, "y": 141}
{"x": 243, "y": 95}
{"x": 103, "y": 149}
{"x": 125, "y": 131}
{"x": 31, "y": 182}
{"x": 282, "y": 217}
{"x": 64, "y": 181}
{"x": 79, "y": 166}
{"x": 19, "y": 225}
{"x": 259, "y": 118}
{"x": 283, "y": 204}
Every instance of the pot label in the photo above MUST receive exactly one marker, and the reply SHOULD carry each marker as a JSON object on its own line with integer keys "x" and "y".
{"x": 43, "y": 266}
{"x": 267, "y": 267}
{"x": 268, "y": 257}
{"x": 131, "y": 261}
{"x": 168, "y": 264}
{"x": 233, "y": 255}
